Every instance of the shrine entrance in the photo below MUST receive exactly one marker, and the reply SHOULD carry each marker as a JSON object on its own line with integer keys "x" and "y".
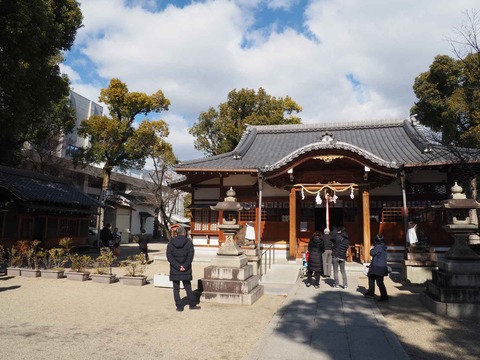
{"x": 335, "y": 218}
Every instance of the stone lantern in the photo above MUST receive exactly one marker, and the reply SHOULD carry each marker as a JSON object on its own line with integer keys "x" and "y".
{"x": 454, "y": 290}
{"x": 230, "y": 279}
{"x": 459, "y": 224}
{"x": 229, "y": 224}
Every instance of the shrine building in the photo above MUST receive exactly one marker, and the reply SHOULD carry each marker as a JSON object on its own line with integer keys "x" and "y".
{"x": 292, "y": 180}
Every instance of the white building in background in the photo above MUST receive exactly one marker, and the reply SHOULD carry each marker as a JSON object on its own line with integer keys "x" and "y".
{"x": 84, "y": 109}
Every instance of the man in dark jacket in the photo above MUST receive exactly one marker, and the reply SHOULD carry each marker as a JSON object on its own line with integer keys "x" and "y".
{"x": 143, "y": 245}
{"x": 378, "y": 269}
{"x": 106, "y": 235}
{"x": 339, "y": 251}
{"x": 315, "y": 251}
{"x": 180, "y": 253}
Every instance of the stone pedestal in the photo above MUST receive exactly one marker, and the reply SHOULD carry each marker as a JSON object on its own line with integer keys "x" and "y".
{"x": 230, "y": 280}
{"x": 254, "y": 257}
{"x": 454, "y": 290}
{"x": 418, "y": 267}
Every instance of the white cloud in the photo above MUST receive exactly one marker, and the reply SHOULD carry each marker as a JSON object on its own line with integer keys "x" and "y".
{"x": 181, "y": 140}
{"x": 195, "y": 55}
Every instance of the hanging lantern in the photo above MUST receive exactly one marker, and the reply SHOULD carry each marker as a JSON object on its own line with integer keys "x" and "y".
{"x": 318, "y": 199}
{"x": 303, "y": 194}
{"x": 351, "y": 193}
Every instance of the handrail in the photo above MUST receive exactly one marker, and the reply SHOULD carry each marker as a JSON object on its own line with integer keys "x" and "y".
{"x": 267, "y": 252}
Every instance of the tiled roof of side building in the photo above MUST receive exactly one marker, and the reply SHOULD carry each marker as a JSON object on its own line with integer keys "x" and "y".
{"x": 35, "y": 187}
{"x": 391, "y": 143}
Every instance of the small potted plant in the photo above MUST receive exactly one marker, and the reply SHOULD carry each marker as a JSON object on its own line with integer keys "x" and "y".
{"x": 32, "y": 255}
{"x": 79, "y": 265}
{"x": 54, "y": 261}
{"x": 15, "y": 260}
{"x": 103, "y": 267}
{"x": 134, "y": 266}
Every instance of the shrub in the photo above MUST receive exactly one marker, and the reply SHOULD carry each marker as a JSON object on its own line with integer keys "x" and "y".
{"x": 104, "y": 262}
{"x": 55, "y": 258}
{"x": 31, "y": 253}
{"x": 135, "y": 265}
{"x": 79, "y": 263}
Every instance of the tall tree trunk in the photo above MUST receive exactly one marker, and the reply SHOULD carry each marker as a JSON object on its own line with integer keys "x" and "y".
{"x": 107, "y": 172}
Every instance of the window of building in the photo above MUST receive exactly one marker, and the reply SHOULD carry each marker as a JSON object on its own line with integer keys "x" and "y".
{"x": 205, "y": 219}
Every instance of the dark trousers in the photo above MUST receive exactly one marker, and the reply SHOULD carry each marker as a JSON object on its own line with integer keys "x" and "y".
{"x": 317, "y": 277}
{"x": 381, "y": 286}
{"x": 187, "y": 284}
{"x": 145, "y": 252}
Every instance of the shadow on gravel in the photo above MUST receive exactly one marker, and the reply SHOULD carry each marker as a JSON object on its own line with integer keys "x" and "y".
{"x": 14, "y": 287}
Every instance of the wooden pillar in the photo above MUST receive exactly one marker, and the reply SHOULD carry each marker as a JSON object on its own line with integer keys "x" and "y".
{"x": 366, "y": 225}
{"x": 293, "y": 224}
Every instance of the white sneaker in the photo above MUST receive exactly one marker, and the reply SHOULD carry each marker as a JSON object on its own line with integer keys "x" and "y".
{"x": 345, "y": 286}
{"x": 337, "y": 286}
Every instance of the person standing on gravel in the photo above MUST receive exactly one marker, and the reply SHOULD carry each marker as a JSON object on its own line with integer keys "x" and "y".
{"x": 339, "y": 253}
{"x": 180, "y": 253}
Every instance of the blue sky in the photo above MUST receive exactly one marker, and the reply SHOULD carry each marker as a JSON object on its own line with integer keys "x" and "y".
{"x": 341, "y": 60}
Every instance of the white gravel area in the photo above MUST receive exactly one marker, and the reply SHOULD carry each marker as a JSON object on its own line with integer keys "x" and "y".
{"x": 65, "y": 319}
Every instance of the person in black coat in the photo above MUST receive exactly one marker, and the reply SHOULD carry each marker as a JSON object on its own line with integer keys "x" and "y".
{"x": 106, "y": 235}
{"x": 316, "y": 248}
{"x": 180, "y": 253}
{"x": 378, "y": 269}
{"x": 339, "y": 251}
{"x": 143, "y": 245}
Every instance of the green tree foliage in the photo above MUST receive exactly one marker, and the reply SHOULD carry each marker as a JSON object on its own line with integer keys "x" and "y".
{"x": 449, "y": 92}
{"x": 33, "y": 34}
{"x": 219, "y": 131}
{"x": 114, "y": 140}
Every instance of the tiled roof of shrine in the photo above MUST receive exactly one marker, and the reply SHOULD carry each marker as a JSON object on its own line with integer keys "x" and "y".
{"x": 391, "y": 144}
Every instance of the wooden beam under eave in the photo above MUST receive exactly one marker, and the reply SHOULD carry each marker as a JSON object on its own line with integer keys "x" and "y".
{"x": 366, "y": 225}
{"x": 292, "y": 224}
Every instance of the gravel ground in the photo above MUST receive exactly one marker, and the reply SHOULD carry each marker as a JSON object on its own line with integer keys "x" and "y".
{"x": 65, "y": 319}
{"x": 61, "y": 319}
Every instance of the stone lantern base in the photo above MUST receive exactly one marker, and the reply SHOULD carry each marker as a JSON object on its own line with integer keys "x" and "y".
{"x": 230, "y": 280}
{"x": 454, "y": 290}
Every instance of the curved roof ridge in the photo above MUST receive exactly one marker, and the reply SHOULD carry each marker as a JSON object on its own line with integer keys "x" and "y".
{"x": 246, "y": 140}
{"x": 338, "y": 145}
{"x": 330, "y": 125}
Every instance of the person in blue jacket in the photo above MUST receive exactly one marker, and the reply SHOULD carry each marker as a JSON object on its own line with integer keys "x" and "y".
{"x": 378, "y": 269}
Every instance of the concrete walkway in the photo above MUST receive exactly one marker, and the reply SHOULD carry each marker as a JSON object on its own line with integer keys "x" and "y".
{"x": 329, "y": 323}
